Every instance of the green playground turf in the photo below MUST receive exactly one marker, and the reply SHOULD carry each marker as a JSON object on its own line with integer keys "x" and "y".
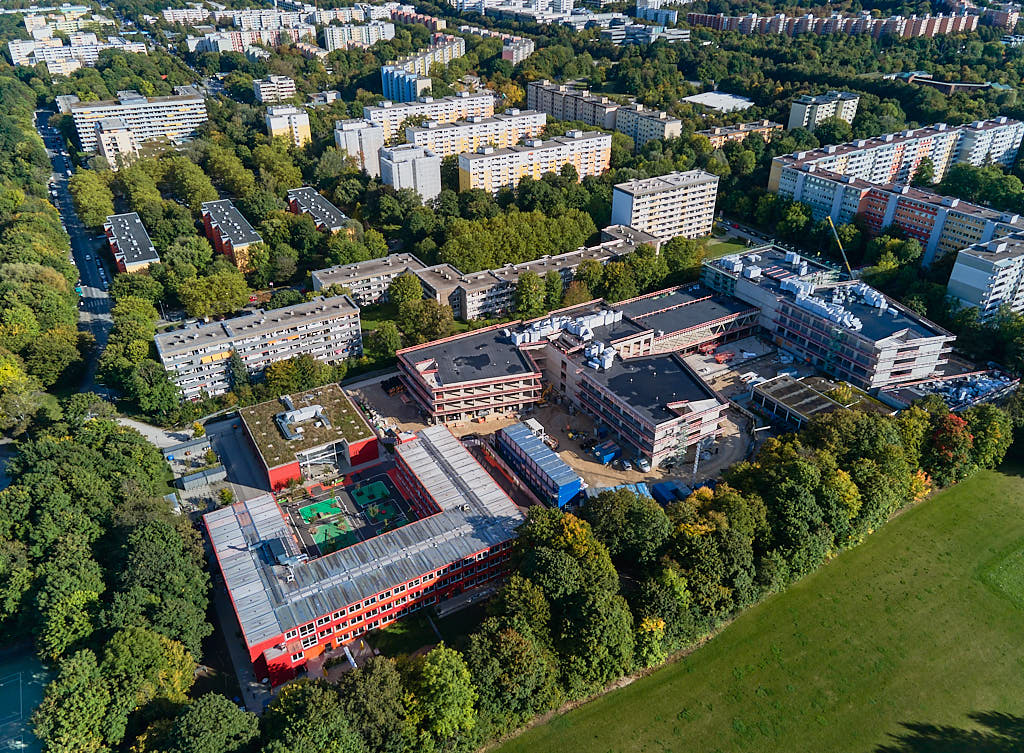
{"x": 381, "y": 512}
{"x": 330, "y": 537}
{"x": 323, "y": 509}
{"x": 367, "y": 495}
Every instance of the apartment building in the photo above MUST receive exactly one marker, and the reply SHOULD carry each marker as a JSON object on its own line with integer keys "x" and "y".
{"x": 989, "y": 276}
{"x": 229, "y": 232}
{"x": 196, "y": 356}
{"x": 361, "y": 140}
{"x": 642, "y": 125}
{"x": 240, "y": 41}
{"x": 391, "y": 116}
{"x": 115, "y": 142}
{"x": 846, "y": 329}
{"x": 411, "y": 166}
{"x": 406, "y": 14}
{"x": 174, "y": 118}
{"x": 645, "y": 33}
{"x": 721, "y": 135}
{"x": 307, "y": 200}
{"x": 129, "y": 242}
{"x": 186, "y": 16}
{"x": 369, "y": 280}
{"x": 659, "y": 15}
{"x": 406, "y": 79}
{"x": 564, "y": 102}
{"x": 82, "y": 51}
{"x": 288, "y": 122}
{"x": 273, "y": 89}
{"x": 808, "y": 111}
{"x": 493, "y": 169}
{"x": 292, "y": 606}
{"x": 513, "y": 49}
{"x": 502, "y": 130}
{"x": 676, "y": 204}
{"x": 862, "y": 23}
{"x": 361, "y": 35}
{"x": 894, "y": 157}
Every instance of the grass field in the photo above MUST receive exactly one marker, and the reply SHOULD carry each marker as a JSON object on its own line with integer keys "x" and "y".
{"x": 717, "y": 248}
{"x": 920, "y": 625}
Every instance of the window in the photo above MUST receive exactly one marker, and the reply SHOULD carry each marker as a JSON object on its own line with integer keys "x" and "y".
{"x": 338, "y": 614}
{"x": 323, "y": 620}
{"x": 324, "y": 633}
{"x": 309, "y": 641}
{"x": 353, "y": 608}
{"x": 291, "y": 634}
{"x": 307, "y": 629}
{"x": 298, "y": 657}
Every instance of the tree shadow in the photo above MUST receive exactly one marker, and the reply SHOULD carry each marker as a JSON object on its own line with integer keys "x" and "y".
{"x": 997, "y": 733}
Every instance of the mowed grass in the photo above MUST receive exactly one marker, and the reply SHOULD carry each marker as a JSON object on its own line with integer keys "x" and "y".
{"x": 922, "y": 623}
{"x": 717, "y": 248}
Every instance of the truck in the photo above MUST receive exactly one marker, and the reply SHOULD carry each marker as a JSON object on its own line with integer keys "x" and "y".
{"x": 606, "y": 452}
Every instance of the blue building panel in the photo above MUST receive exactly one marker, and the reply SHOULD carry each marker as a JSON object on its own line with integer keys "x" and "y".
{"x": 545, "y": 473}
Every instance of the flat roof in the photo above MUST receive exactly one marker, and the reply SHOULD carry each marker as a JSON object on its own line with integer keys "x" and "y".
{"x": 798, "y": 396}
{"x": 757, "y": 125}
{"x": 489, "y": 152}
{"x": 682, "y": 309}
{"x": 361, "y": 270}
{"x": 191, "y": 337}
{"x": 667, "y": 182}
{"x": 546, "y": 459}
{"x": 474, "y": 356}
{"x": 1003, "y": 249}
{"x": 229, "y": 221}
{"x": 720, "y": 101}
{"x": 316, "y": 206}
{"x": 821, "y": 99}
{"x": 475, "y": 515}
{"x": 432, "y": 126}
{"x": 131, "y": 238}
{"x": 345, "y": 422}
{"x": 649, "y": 383}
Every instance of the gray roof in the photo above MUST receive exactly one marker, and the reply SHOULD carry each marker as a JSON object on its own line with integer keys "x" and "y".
{"x": 130, "y": 236}
{"x": 233, "y": 227}
{"x": 475, "y": 515}
{"x": 668, "y": 182}
{"x": 681, "y": 309}
{"x": 345, "y": 274}
{"x": 476, "y": 356}
{"x": 323, "y": 212}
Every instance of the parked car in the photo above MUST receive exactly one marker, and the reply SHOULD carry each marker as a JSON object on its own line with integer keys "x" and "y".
{"x": 643, "y": 465}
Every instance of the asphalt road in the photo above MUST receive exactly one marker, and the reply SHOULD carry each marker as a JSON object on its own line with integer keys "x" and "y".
{"x": 86, "y": 252}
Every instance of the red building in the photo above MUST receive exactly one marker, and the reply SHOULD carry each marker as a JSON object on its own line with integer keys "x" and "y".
{"x": 319, "y": 432}
{"x": 292, "y": 608}
{"x": 229, "y": 232}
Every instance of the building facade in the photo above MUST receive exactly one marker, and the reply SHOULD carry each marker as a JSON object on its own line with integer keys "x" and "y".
{"x": 391, "y": 116}
{"x": 643, "y": 125}
{"x": 500, "y": 131}
{"x": 361, "y": 140}
{"x": 808, "y": 111}
{"x": 862, "y": 23}
{"x": 989, "y": 276}
{"x": 229, "y": 232}
{"x": 273, "y": 89}
{"x": 288, "y": 122}
{"x": 547, "y": 475}
{"x": 676, "y": 204}
{"x": 361, "y": 35}
{"x": 407, "y": 79}
{"x": 129, "y": 243}
{"x": 721, "y": 135}
{"x": 115, "y": 142}
{"x": 173, "y": 118}
{"x": 369, "y": 280}
{"x": 196, "y": 356}
{"x": 493, "y": 169}
{"x": 411, "y": 166}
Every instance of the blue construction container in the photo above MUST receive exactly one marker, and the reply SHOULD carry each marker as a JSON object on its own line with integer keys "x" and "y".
{"x": 606, "y": 452}
{"x": 666, "y": 492}
{"x": 542, "y": 470}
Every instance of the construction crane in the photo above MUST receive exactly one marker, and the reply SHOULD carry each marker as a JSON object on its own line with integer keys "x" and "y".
{"x": 841, "y": 249}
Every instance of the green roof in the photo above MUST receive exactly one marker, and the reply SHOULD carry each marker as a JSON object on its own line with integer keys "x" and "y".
{"x": 345, "y": 422}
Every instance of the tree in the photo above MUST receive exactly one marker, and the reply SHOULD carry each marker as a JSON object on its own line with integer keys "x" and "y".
{"x": 924, "y": 175}
{"x": 211, "y": 724}
{"x": 374, "y": 698}
{"x": 833, "y": 130}
{"x": 154, "y": 392}
{"x": 948, "y": 457}
{"x": 576, "y": 293}
{"x": 222, "y": 292}
{"x": 49, "y": 357}
{"x": 649, "y": 268}
{"x": 71, "y": 717}
{"x": 530, "y": 295}
{"x": 445, "y": 696}
{"x": 238, "y": 372}
{"x": 552, "y": 289}
{"x": 92, "y": 197}
{"x": 683, "y": 256}
{"x": 308, "y": 716}
{"x": 618, "y": 282}
{"x": 385, "y": 340}
{"x": 404, "y": 289}
{"x": 992, "y": 432}
{"x": 632, "y": 526}
{"x": 590, "y": 274}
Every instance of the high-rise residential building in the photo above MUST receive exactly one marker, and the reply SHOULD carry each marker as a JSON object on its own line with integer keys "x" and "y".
{"x": 990, "y": 276}
{"x": 229, "y": 232}
{"x": 513, "y": 49}
{"x": 862, "y": 23}
{"x": 563, "y": 102}
{"x": 720, "y": 135}
{"x": 288, "y": 122}
{"x": 188, "y": 16}
{"x": 129, "y": 242}
{"x": 115, "y": 142}
{"x": 240, "y": 41}
{"x": 391, "y": 116}
{"x": 502, "y": 130}
{"x": 273, "y": 89}
{"x": 361, "y": 140}
{"x": 643, "y": 125}
{"x": 493, "y": 169}
{"x": 174, "y": 118}
{"x": 807, "y": 111}
{"x": 406, "y": 79}
{"x": 411, "y": 166}
{"x": 895, "y": 157}
{"x": 196, "y": 356}
{"x": 307, "y": 200}
{"x": 82, "y": 50}
{"x": 357, "y": 35}
{"x": 677, "y": 204}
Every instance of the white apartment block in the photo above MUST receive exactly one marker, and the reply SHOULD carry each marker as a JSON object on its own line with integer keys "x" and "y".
{"x": 411, "y": 166}
{"x": 361, "y": 35}
{"x": 368, "y": 280}
{"x": 187, "y": 16}
{"x": 196, "y": 356}
{"x": 502, "y": 130}
{"x": 362, "y": 140}
{"x": 240, "y": 41}
{"x": 513, "y": 49}
{"x": 115, "y": 142}
{"x": 563, "y": 102}
{"x": 493, "y": 169}
{"x": 807, "y": 111}
{"x": 677, "y": 204}
{"x": 406, "y": 79}
{"x": 988, "y": 276}
{"x": 643, "y": 125}
{"x": 263, "y": 18}
{"x": 174, "y": 118}
{"x": 273, "y": 89}
{"x": 391, "y": 116}
{"x": 288, "y": 122}
{"x": 83, "y": 50}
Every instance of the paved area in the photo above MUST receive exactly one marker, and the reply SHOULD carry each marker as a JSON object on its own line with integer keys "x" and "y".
{"x": 255, "y": 695}
{"x": 157, "y": 436}
{"x": 246, "y": 477}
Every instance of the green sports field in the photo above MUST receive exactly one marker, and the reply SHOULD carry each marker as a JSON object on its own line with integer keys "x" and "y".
{"x": 920, "y": 625}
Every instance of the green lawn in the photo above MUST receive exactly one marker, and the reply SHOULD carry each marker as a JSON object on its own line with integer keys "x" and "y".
{"x": 717, "y": 248}
{"x": 921, "y": 624}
